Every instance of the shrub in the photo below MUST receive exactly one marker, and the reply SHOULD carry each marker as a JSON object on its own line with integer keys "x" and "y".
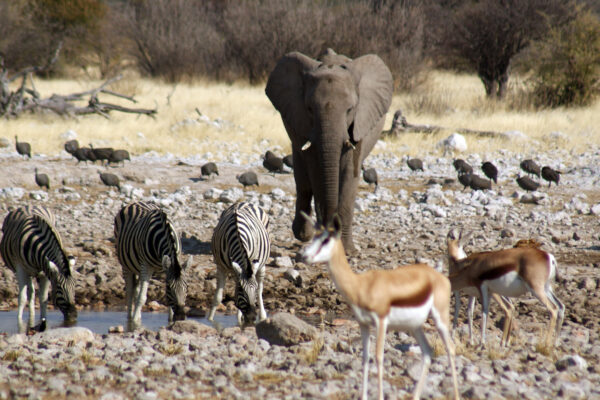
{"x": 567, "y": 71}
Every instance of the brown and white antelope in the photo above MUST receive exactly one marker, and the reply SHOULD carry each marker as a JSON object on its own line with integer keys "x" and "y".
{"x": 456, "y": 241}
{"x": 510, "y": 273}
{"x": 400, "y": 299}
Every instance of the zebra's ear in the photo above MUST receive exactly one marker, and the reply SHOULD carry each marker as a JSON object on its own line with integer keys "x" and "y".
{"x": 52, "y": 269}
{"x": 166, "y": 263}
{"x": 236, "y": 267}
{"x": 255, "y": 267}
{"x": 188, "y": 262}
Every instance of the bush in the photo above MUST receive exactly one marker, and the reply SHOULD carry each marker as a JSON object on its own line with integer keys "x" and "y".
{"x": 567, "y": 71}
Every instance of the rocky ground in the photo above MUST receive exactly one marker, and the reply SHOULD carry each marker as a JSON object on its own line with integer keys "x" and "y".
{"x": 404, "y": 221}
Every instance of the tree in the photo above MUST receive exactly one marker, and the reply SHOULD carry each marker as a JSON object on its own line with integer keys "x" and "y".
{"x": 487, "y": 34}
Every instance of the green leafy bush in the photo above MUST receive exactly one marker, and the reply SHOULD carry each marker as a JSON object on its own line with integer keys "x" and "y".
{"x": 567, "y": 71}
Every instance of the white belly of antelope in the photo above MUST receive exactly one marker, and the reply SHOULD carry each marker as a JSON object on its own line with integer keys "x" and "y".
{"x": 409, "y": 318}
{"x": 509, "y": 285}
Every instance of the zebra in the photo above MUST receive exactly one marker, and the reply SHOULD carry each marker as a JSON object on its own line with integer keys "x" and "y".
{"x": 147, "y": 242}
{"x": 32, "y": 248}
{"x": 241, "y": 246}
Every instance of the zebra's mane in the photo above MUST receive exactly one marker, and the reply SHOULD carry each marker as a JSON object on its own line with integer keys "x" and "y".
{"x": 62, "y": 263}
{"x": 174, "y": 244}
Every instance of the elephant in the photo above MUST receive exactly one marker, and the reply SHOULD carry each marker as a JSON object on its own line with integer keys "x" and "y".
{"x": 333, "y": 109}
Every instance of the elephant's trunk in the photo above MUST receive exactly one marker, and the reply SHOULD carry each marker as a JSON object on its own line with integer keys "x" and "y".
{"x": 329, "y": 159}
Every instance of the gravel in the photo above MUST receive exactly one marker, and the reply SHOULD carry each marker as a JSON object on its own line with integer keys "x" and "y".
{"x": 405, "y": 221}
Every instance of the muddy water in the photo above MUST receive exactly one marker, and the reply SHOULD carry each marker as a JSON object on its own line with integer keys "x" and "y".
{"x": 101, "y": 321}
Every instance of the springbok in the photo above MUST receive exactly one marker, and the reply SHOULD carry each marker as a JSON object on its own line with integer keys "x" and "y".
{"x": 400, "y": 299}
{"x": 456, "y": 241}
{"x": 511, "y": 273}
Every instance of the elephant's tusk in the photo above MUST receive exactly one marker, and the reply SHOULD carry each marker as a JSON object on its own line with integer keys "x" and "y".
{"x": 350, "y": 144}
{"x": 306, "y": 145}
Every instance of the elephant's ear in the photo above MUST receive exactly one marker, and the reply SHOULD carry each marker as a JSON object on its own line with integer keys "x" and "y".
{"x": 375, "y": 88}
{"x": 285, "y": 89}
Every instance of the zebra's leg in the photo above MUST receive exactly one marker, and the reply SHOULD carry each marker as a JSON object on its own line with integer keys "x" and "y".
{"x": 31, "y": 301}
{"x": 263, "y": 313}
{"x": 218, "y": 294}
{"x": 130, "y": 283}
{"x": 22, "y": 280}
{"x": 144, "y": 281}
{"x": 44, "y": 284}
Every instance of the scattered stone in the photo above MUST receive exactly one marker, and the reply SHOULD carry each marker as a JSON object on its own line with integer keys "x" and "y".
{"x": 571, "y": 361}
{"x": 284, "y": 262}
{"x": 231, "y": 195}
{"x": 191, "y": 326}
{"x": 285, "y": 329}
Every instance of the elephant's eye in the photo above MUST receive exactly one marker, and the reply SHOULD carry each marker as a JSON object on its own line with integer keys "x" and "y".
{"x": 348, "y": 111}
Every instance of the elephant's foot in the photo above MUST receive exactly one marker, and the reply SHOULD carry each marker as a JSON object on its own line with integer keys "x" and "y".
{"x": 348, "y": 245}
{"x": 303, "y": 229}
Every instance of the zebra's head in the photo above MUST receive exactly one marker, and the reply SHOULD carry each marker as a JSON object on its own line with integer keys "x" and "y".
{"x": 176, "y": 285}
{"x": 63, "y": 289}
{"x": 246, "y": 292}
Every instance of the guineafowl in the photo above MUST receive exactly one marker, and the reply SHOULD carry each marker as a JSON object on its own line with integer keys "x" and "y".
{"x": 71, "y": 146}
{"x": 479, "y": 183}
{"x": 272, "y": 163}
{"x": 531, "y": 167}
{"x": 118, "y": 156}
{"x": 209, "y": 170}
{"x": 42, "y": 180}
{"x": 248, "y": 178}
{"x": 550, "y": 175}
{"x": 490, "y": 171}
{"x": 415, "y": 164}
{"x": 462, "y": 167}
{"x": 465, "y": 180}
{"x": 102, "y": 154}
{"x": 289, "y": 161}
{"x": 527, "y": 184}
{"x": 23, "y": 148}
{"x": 110, "y": 179}
{"x": 370, "y": 176}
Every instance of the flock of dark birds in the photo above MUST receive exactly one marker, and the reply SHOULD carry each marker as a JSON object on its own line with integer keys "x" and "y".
{"x": 106, "y": 156}
{"x": 275, "y": 164}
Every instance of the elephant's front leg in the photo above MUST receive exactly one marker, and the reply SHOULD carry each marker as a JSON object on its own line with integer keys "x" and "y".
{"x": 302, "y": 228}
{"x": 347, "y": 196}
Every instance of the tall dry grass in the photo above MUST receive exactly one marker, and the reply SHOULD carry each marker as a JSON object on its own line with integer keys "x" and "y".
{"x": 251, "y": 123}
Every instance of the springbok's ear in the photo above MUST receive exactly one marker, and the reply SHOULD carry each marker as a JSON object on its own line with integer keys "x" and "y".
{"x": 166, "y": 263}
{"x": 464, "y": 237}
{"x": 236, "y": 267}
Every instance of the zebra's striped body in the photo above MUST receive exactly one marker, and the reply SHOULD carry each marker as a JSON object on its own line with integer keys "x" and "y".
{"x": 32, "y": 248}
{"x": 147, "y": 243}
{"x": 241, "y": 247}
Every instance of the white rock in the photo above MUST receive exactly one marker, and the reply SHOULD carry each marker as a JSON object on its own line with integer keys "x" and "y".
{"x": 141, "y": 136}
{"x": 212, "y": 194}
{"x": 595, "y": 209}
{"x": 39, "y": 195}
{"x": 68, "y": 135}
{"x": 231, "y": 195}
{"x": 284, "y": 262}
{"x": 12, "y": 193}
{"x": 515, "y": 135}
{"x": 76, "y": 335}
{"x": 277, "y": 194}
{"x": 453, "y": 143}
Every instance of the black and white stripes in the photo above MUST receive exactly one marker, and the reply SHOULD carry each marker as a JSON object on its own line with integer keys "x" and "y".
{"x": 31, "y": 247}
{"x": 146, "y": 243}
{"x": 241, "y": 247}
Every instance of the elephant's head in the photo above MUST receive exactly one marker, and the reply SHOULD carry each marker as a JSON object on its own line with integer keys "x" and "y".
{"x": 333, "y": 110}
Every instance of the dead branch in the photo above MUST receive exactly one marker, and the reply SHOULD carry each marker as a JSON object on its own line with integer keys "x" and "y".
{"x": 27, "y": 99}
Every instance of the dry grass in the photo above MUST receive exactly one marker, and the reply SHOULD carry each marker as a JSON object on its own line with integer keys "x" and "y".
{"x": 448, "y": 100}
{"x": 311, "y": 356}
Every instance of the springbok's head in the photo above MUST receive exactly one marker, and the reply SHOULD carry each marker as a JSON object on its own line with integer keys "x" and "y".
{"x": 322, "y": 246}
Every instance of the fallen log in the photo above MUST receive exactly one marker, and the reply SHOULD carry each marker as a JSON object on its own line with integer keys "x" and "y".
{"x": 26, "y": 98}
{"x": 400, "y": 125}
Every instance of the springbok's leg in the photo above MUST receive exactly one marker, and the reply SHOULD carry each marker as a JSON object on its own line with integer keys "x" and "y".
{"x": 381, "y": 328}
{"x": 470, "y": 309}
{"x": 364, "y": 333}
{"x": 508, "y": 309}
{"x": 485, "y": 304}
{"x": 561, "y": 312}
{"x": 427, "y": 353}
{"x": 442, "y": 328}
{"x": 539, "y": 291}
